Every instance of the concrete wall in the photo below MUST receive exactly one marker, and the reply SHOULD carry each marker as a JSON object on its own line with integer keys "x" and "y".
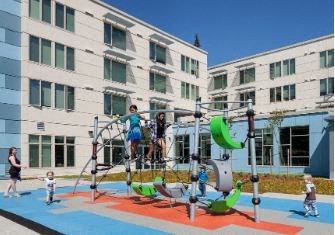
{"x": 10, "y": 78}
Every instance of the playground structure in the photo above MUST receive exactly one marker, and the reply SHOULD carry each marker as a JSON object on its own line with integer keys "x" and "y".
{"x": 221, "y": 136}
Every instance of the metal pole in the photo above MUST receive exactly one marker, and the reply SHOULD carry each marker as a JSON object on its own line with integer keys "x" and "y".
{"x": 288, "y": 161}
{"x": 94, "y": 160}
{"x": 254, "y": 177}
{"x": 127, "y": 158}
{"x": 195, "y": 157}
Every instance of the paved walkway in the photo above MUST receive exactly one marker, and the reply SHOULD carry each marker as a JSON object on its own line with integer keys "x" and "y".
{"x": 115, "y": 213}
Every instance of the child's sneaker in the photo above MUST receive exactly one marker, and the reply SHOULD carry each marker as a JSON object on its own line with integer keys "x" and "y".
{"x": 317, "y": 215}
{"x": 17, "y": 195}
{"x": 307, "y": 214}
{"x": 47, "y": 203}
{"x": 5, "y": 195}
{"x": 147, "y": 162}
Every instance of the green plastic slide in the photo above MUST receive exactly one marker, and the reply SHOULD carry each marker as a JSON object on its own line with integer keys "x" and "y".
{"x": 221, "y": 136}
{"x": 226, "y": 204}
{"x": 144, "y": 189}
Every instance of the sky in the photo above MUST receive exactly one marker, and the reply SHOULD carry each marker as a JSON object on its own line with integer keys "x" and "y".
{"x": 232, "y": 29}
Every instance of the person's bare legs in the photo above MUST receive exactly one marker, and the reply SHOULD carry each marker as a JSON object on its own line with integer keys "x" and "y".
{"x": 149, "y": 154}
{"x": 162, "y": 144}
{"x": 134, "y": 145}
{"x": 9, "y": 186}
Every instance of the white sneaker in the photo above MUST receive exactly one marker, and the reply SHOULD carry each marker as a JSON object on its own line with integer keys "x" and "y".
{"x": 147, "y": 162}
{"x": 17, "y": 195}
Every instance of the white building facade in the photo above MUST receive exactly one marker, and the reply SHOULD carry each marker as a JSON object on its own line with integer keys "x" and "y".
{"x": 81, "y": 59}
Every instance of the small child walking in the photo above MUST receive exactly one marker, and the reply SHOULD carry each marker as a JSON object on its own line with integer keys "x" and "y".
{"x": 50, "y": 186}
{"x": 310, "y": 200}
{"x": 203, "y": 178}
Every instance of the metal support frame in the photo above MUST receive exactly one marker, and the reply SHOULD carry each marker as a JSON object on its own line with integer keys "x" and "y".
{"x": 254, "y": 177}
{"x": 94, "y": 159}
{"x": 195, "y": 157}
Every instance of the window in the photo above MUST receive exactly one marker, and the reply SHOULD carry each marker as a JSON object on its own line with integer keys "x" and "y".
{"x": 327, "y": 59}
{"x": 46, "y": 52}
{"x": 115, "y": 71}
{"x": 264, "y": 146}
{"x": 64, "y": 97}
{"x": 220, "y": 82}
{"x": 64, "y": 151}
{"x": 157, "y": 53}
{"x": 61, "y": 57}
{"x": 288, "y": 67}
{"x": 204, "y": 147}
{"x": 189, "y": 91}
{"x": 289, "y": 92}
{"x": 247, "y": 75}
{"x": 247, "y": 95}
{"x": 221, "y": 106}
{"x": 189, "y": 65}
{"x": 39, "y": 151}
{"x": 39, "y": 93}
{"x": 34, "y": 49}
{"x": 65, "y": 17}
{"x": 282, "y": 93}
{"x": 114, "y": 105}
{"x": 326, "y": 86}
{"x": 118, "y": 151}
{"x": 182, "y": 148}
{"x": 157, "y": 82}
{"x": 39, "y": 44}
{"x": 156, "y": 106}
{"x": 294, "y": 143}
{"x": 115, "y": 36}
{"x": 34, "y": 10}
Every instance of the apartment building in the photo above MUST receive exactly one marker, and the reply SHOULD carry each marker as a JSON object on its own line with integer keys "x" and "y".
{"x": 64, "y": 62}
{"x": 292, "y": 89}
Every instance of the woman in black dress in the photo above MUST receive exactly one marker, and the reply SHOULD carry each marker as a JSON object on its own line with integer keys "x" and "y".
{"x": 14, "y": 172}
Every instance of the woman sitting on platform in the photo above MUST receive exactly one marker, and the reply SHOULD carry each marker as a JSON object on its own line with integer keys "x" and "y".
{"x": 157, "y": 129}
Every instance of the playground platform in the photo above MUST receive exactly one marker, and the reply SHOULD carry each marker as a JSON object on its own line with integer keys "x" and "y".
{"x": 114, "y": 212}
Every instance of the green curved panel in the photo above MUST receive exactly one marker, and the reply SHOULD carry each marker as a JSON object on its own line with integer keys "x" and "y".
{"x": 228, "y": 203}
{"x": 221, "y": 136}
{"x": 144, "y": 189}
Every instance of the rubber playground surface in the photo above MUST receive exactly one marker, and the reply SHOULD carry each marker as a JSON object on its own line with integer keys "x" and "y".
{"x": 114, "y": 212}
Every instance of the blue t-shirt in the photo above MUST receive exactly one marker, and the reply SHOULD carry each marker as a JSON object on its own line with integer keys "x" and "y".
{"x": 134, "y": 120}
{"x": 203, "y": 177}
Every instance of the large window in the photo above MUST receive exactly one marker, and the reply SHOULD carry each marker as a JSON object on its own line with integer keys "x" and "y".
{"x": 220, "y": 105}
{"x": 115, "y": 36}
{"x": 39, "y": 50}
{"x": 189, "y": 65}
{"x": 282, "y": 93}
{"x": 64, "y": 17}
{"x": 64, "y": 56}
{"x": 282, "y": 68}
{"x": 64, "y": 97}
{"x": 327, "y": 86}
{"x": 39, "y": 151}
{"x": 247, "y": 75}
{"x": 294, "y": 146}
{"x": 205, "y": 147}
{"x": 115, "y": 71}
{"x": 114, "y": 151}
{"x": 34, "y": 10}
{"x": 157, "y": 82}
{"x": 39, "y": 93}
{"x": 327, "y": 59}
{"x": 264, "y": 147}
{"x": 157, "y": 53}
{"x": 64, "y": 151}
{"x": 220, "y": 82}
{"x": 189, "y": 91}
{"x": 114, "y": 105}
{"x": 247, "y": 95}
{"x": 156, "y": 106}
{"x": 182, "y": 148}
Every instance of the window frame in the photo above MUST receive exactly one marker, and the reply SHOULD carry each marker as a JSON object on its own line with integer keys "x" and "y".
{"x": 153, "y": 82}
{"x": 262, "y": 137}
{"x": 245, "y": 73}
{"x": 109, "y": 106}
{"x": 153, "y": 52}
{"x": 65, "y": 17}
{"x": 327, "y": 81}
